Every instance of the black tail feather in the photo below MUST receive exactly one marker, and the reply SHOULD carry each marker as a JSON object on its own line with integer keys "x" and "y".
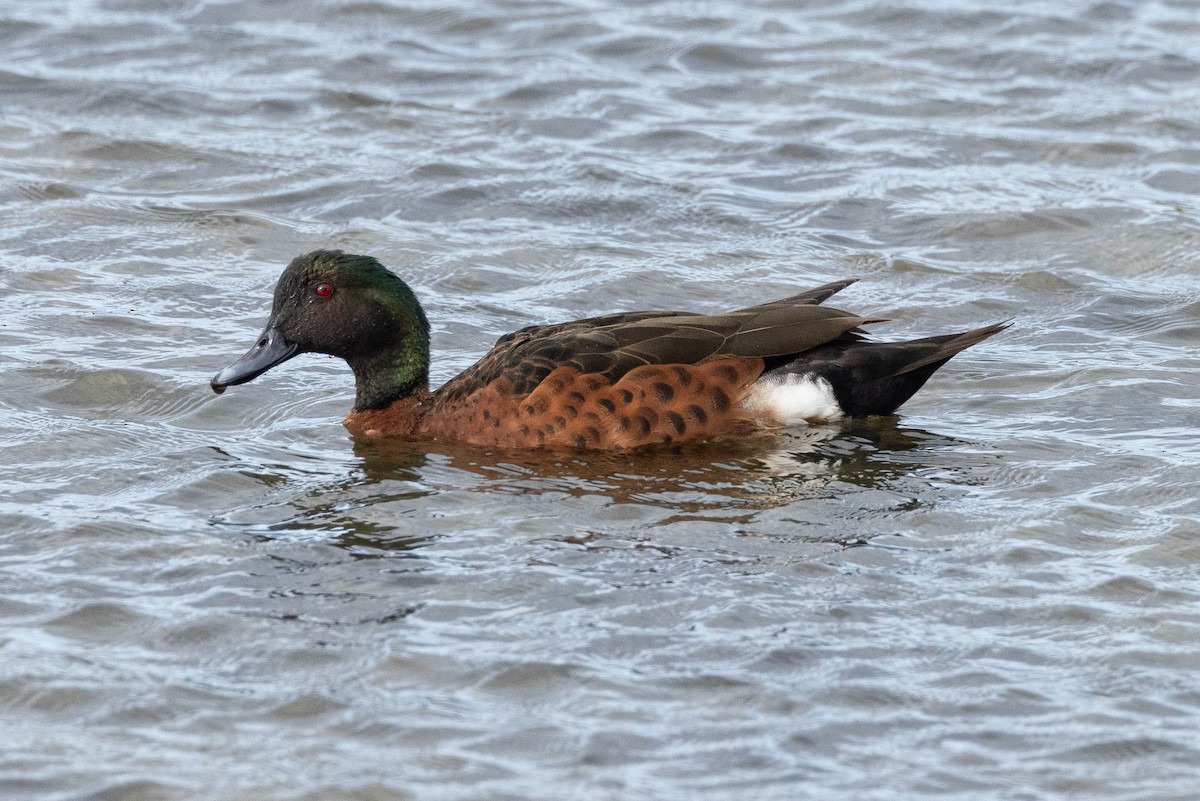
{"x": 875, "y": 378}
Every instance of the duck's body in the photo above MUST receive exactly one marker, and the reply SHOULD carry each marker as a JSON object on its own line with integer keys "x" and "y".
{"x": 613, "y": 382}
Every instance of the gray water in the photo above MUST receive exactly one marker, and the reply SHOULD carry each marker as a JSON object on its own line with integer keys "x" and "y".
{"x": 994, "y": 596}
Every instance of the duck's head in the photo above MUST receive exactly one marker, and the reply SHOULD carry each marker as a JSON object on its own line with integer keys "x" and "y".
{"x": 348, "y": 306}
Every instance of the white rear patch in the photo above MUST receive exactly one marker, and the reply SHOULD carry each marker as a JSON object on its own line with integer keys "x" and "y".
{"x": 792, "y": 399}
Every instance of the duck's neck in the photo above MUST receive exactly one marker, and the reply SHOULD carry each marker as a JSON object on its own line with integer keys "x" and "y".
{"x": 391, "y": 373}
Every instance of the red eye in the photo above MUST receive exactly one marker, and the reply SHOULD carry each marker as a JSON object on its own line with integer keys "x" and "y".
{"x": 324, "y": 290}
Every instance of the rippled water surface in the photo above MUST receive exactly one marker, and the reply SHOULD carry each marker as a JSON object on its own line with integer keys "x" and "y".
{"x": 994, "y": 596}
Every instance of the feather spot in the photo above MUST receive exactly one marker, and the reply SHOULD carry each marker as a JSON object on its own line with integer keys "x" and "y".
{"x": 726, "y": 372}
{"x": 719, "y": 400}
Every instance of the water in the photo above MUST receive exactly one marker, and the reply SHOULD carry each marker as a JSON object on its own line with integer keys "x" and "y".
{"x": 994, "y": 596}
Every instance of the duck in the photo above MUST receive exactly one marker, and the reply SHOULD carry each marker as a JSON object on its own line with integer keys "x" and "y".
{"x": 614, "y": 382}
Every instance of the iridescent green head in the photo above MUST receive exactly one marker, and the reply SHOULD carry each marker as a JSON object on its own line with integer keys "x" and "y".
{"x": 348, "y": 306}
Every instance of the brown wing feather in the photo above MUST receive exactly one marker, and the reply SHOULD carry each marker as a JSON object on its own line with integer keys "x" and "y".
{"x": 612, "y": 345}
{"x": 811, "y": 296}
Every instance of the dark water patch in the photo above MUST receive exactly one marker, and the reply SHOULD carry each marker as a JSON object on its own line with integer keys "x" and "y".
{"x": 1175, "y": 181}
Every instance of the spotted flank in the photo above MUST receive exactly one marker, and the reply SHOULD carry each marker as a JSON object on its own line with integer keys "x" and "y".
{"x": 614, "y": 382}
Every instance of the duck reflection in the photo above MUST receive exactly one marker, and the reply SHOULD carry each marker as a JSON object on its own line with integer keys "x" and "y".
{"x": 381, "y": 506}
{"x": 766, "y": 471}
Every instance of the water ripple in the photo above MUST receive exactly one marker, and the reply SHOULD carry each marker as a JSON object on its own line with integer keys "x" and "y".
{"x": 992, "y": 595}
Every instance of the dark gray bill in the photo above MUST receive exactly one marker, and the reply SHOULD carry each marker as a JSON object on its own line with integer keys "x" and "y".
{"x": 270, "y": 350}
